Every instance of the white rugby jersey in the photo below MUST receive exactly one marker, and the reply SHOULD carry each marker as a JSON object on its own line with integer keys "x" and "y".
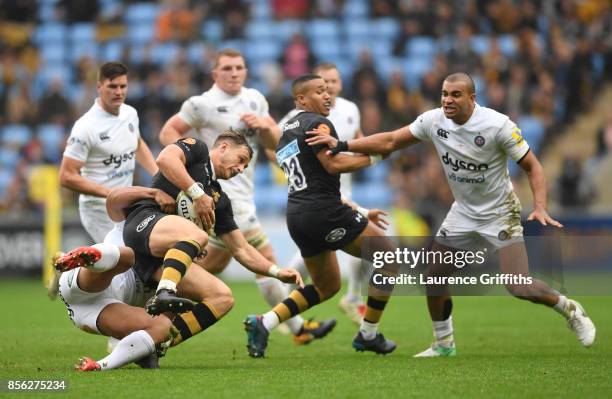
{"x": 475, "y": 158}
{"x": 215, "y": 111}
{"x": 345, "y": 117}
{"x": 107, "y": 144}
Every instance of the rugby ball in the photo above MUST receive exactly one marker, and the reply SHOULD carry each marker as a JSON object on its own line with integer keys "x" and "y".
{"x": 184, "y": 208}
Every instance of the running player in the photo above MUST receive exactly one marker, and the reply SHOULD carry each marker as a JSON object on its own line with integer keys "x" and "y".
{"x": 230, "y": 105}
{"x": 318, "y": 221}
{"x": 345, "y": 117}
{"x": 474, "y": 144}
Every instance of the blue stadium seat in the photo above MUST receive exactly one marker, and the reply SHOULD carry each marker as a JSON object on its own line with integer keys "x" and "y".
{"x": 46, "y": 12}
{"x": 263, "y": 50}
{"x": 79, "y": 50}
{"x": 507, "y": 45}
{"x": 322, "y": 29}
{"x": 83, "y": 32}
{"x": 480, "y": 44}
{"x": 414, "y": 68}
{"x": 260, "y": 30}
{"x": 52, "y": 137}
{"x": 377, "y": 173}
{"x": 16, "y": 135}
{"x": 356, "y": 9}
{"x": 53, "y": 53}
{"x": 212, "y": 31}
{"x": 328, "y": 49}
{"x": 533, "y": 131}
{"x": 261, "y": 10}
{"x": 346, "y": 68}
{"x": 164, "y": 53}
{"x": 141, "y": 13}
{"x": 112, "y": 50}
{"x": 372, "y": 195}
{"x": 49, "y": 33}
{"x": 196, "y": 52}
{"x": 385, "y": 66}
{"x": 421, "y": 46}
{"x": 9, "y": 157}
{"x": 236, "y": 44}
{"x": 386, "y": 28}
{"x": 140, "y": 33}
{"x": 357, "y": 29}
{"x": 272, "y": 199}
{"x": 263, "y": 175}
{"x": 287, "y": 28}
{"x": 6, "y": 177}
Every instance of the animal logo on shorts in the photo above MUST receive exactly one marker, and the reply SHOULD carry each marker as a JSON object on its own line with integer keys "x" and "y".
{"x": 143, "y": 225}
{"x": 503, "y": 235}
{"x": 335, "y": 234}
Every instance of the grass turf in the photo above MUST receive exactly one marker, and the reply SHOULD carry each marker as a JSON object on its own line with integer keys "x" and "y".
{"x": 506, "y": 348}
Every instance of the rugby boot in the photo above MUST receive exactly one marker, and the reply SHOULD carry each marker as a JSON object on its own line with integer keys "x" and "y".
{"x": 257, "y": 335}
{"x": 379, "y": 344}
{"x": 580, "y": 323}
{"x": 437, "y": 350}
{"x": 87, "y": 364}
{"x": 78, "y": 257}
{"x": 312, "y": 330}
{"x": 166, "y": 301}
{"x": 354, "y": 309}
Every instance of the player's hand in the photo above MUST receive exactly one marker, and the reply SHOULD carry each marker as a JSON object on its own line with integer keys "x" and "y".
{"x": 291, "y": 276}
{"x": 325, "y": 139}
{"x": 165, "y": 202}
{"x": 205, "y": 209}
{"x": 544, "y": 218}
{"x": 376, "y": 216}
{"x": 254, "y": 122}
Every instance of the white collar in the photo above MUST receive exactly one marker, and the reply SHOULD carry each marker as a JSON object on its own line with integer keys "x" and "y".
{"x": 212, "y": 169}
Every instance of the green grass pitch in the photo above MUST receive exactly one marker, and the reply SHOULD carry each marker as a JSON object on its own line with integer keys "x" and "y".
{"x": 506, "y": 348}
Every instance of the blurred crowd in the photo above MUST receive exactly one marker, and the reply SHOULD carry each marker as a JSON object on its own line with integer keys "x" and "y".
{"x": 541, "y": 62}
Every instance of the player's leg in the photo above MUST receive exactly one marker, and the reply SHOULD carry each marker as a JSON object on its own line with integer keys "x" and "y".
{"x": 138, "y": 335}
{"x": 325, "y": 275}
{"x": 178, "y": 241}
{"x": 351, "y": 303}
{"x": 213, "y": 300}
{"x": 513, "y": 260}
{"x": 368, "y": 337}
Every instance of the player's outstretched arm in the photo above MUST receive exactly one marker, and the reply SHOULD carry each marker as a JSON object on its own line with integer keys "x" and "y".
{"x": 268, "y": 130}
{"x": 121, "y": 198}
{"x": 174, "y": 129}
{"x": 171, "y": 161}
{"x": 250, "y": 258}
{"x": 537, "y": 182}
{"x": 344, "y": 163}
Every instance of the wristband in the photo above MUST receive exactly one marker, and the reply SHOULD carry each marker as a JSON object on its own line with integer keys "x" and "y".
{"x": 375, "y": 158}
{"x": 273, "y": 271}
{"x": 341, "y": 146}
{"x": 195, "y": 191}
{"x": 363, "y": 211}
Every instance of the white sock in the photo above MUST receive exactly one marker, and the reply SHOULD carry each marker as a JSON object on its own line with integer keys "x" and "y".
{"x": 561, "y": 306}
{"x": 274, "y": 291}
{"x": 166, "y": 285}
{"x": 109, "y": 258}
{"x": 270, "y": 320}
{"x": 368, "y": 330}
{"x": 354, "y": 279}
{"x": 131, "y": 348}
{"x": 443, "y": 331}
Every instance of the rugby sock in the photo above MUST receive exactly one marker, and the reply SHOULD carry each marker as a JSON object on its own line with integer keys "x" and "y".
{"x": 443, "y": 331}
{"x": 176, "y": 262}
{"x": 274, "y": 292}
{"x": 561, "y": 306}
{"x": 131, "y": 348}
{"x": 298, "y": 301}
{"x": 190, "y": 323}
{"x": 354, "y": 279}
{"x": 375, "y": 306}
{"x": 368, "y": 330}
{"x": 109, "y": 258}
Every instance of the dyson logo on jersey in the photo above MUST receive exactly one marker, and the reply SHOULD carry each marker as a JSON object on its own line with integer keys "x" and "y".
{"x": 457, "y": 164}
{"x": 117, "y": 160}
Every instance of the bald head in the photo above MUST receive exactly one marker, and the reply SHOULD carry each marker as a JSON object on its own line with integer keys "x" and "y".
{"x": 464, "y": 78}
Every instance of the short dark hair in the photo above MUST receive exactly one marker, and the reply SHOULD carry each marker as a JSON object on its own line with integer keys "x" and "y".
{"x": 235, "y": 138}
{"x": 297, "y": 86}
{"x": 462, "y": 77}
{"x": 111, "y": 70}
{"x": 226, "y": 52}
{"x": 325, "y": 66}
